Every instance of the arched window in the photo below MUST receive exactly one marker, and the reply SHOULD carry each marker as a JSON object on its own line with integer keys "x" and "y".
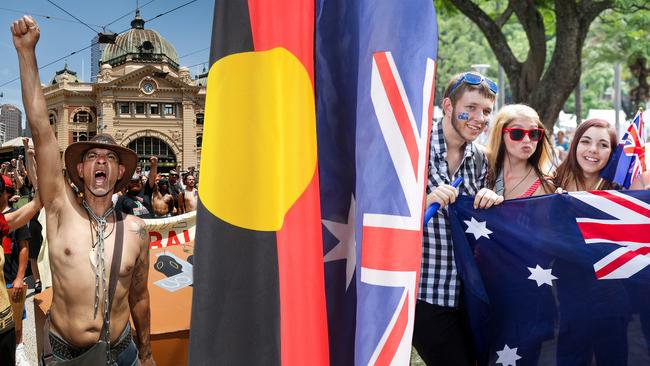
{"x": 52, "y": 118}
{"x": 82, "y": 136}
{"x": 199, "y": 141}
{"x": 149, "y": 146}
{"x": 199, "y": 118}
{"x": 82, "y": 117}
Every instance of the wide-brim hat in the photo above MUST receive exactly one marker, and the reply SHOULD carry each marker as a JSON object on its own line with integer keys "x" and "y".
{"x": 75, "y": 152}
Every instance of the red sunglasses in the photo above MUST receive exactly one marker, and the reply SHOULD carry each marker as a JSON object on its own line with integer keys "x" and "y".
{"x": 517, "y": 134}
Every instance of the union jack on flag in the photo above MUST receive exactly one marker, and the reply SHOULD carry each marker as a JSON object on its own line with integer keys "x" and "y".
{"x": 628, "y": 160}
{"x": 375, "y": 73}
{"x": 629, "y": 229}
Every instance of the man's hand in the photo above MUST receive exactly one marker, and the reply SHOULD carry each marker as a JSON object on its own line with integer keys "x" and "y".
{"x": 30, "y": 153}
{"x": 19, "y": 289}
{"x": 25, "y": 33}
{"x": 486, "y": 198}
{"x": 153, "y": 160}
{"x": 444, "y": 195}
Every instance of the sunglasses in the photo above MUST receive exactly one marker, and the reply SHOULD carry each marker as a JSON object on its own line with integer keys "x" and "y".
{"x": 517, "y": 134}
{"x": 475, "y": 79}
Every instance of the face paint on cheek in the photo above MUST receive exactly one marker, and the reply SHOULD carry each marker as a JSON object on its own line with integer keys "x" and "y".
{"x": 463, "y": 116}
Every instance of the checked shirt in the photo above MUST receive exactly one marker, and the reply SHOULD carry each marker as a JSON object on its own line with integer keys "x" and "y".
{"x": 439, "y": 281}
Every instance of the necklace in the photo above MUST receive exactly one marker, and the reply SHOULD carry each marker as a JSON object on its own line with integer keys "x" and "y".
{"x": 96, "y": 254}
{"x": 521, "y": 181}
{"x": 93, "y": 230}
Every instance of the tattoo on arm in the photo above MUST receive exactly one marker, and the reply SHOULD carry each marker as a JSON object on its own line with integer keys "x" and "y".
{"x": 140, "y": 230}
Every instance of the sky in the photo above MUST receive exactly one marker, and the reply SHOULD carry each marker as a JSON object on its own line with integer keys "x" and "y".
{"x": 187, "y": 28}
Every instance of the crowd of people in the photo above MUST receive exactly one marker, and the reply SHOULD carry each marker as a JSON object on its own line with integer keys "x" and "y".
{"x": 21, "y": 243}
{"x": 519, "y": 161}
{"x": 86, "y": 207}
{"x": 150, "y": 195}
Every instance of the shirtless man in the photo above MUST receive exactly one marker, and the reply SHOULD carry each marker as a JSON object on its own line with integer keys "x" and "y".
{"x": 163, "y": 201}
{"x": 188, "y": 198}
{"x": 75, "y": 235}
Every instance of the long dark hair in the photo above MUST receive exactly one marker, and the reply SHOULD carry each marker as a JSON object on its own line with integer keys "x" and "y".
{"x": 570, "y": 171}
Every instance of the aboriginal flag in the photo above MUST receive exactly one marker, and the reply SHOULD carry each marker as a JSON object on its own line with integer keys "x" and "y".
{"x": 259, "y": 294}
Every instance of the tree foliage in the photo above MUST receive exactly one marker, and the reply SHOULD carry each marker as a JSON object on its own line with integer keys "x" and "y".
{"x": 555, "y": 30}
{"x": 624, "y": 37}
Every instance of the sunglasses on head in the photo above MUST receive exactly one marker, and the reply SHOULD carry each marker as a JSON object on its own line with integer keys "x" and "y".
{"x": 517, "y": 134}
{"x": 475, "y": 79}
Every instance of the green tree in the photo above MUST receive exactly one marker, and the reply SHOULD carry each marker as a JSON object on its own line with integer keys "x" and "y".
{"x": 555, "y": 30}
{"x": 624, "y": 37}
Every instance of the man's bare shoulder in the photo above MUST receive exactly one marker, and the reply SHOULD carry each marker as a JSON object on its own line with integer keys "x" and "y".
{"x": 135, "y": 228}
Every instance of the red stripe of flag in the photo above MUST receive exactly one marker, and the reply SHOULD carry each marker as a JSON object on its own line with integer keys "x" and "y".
{"x": 623, "y": 202}
{"x": 616, "y": 232}
{"x": 391, "y": 249}
{"x": 395, "y": 337}
{"x": 620, "y": 261}
{"x": 397, "y": 105}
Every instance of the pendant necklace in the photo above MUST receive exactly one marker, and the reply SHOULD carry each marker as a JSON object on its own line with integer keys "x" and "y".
{"x": 521, "y": 181}
{"x": 96, "y": 253}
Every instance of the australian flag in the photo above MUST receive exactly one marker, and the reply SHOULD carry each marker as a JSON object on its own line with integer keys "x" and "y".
{"x": 562, "y": 279}
{"x": 375, "y": 68}
{"x": 628, "y": 160}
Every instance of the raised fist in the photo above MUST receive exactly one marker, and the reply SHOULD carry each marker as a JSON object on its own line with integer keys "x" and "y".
{"x": 25, "y": 33}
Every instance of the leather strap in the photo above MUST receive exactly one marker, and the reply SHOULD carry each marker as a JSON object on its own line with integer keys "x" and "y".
{"x": 115, "y": 266}
{"x": 115, "y": 269}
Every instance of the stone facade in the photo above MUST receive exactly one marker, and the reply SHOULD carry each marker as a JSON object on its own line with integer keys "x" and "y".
{"x": 152, "y": 108}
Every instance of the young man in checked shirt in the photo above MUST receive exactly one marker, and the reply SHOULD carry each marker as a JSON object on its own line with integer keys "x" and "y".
{"x": 441, "y": 335}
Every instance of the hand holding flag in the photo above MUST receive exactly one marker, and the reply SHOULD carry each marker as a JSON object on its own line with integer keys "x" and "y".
{"x": 431, "y": 210}
{"x": 628, "y": 160}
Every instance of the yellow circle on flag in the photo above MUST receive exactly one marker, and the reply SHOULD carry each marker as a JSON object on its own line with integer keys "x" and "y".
{"x": 259, "y": 140}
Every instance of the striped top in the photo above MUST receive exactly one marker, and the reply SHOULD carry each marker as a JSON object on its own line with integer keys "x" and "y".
{"x": 531, "y": 189}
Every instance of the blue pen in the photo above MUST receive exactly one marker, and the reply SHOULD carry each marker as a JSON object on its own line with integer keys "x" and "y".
{"x": 431, "y": 210}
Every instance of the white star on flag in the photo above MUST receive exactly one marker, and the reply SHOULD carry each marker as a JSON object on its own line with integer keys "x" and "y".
{"x": 541, "y": 276}
{"x": 477, "y": 228}
{"x": 346, "y": 247}
{"x": 508, "y": 356}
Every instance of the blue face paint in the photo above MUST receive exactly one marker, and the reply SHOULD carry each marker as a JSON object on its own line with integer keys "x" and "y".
{"x": 463, "y": 116}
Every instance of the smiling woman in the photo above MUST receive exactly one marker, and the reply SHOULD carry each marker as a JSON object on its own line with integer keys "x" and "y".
{"x": 591, "y": 148}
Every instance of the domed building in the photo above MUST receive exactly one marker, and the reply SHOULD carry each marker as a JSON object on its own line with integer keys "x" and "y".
{"x": 142, "y": 97}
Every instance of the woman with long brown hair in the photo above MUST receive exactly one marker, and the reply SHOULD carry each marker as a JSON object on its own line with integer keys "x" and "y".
{"x": 592, "y": 146}
{"x": 519, "y": 154}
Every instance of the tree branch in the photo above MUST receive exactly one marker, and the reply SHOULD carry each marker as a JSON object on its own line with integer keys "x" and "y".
{"x": 492, "y": 33}
{"x": 589, "y": 10}
{"x": 533, "y": 23}
{"x": 503, "y": 18}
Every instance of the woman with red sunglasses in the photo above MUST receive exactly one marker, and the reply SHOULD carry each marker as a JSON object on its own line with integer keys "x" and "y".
{"x": 519, "y": 154}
